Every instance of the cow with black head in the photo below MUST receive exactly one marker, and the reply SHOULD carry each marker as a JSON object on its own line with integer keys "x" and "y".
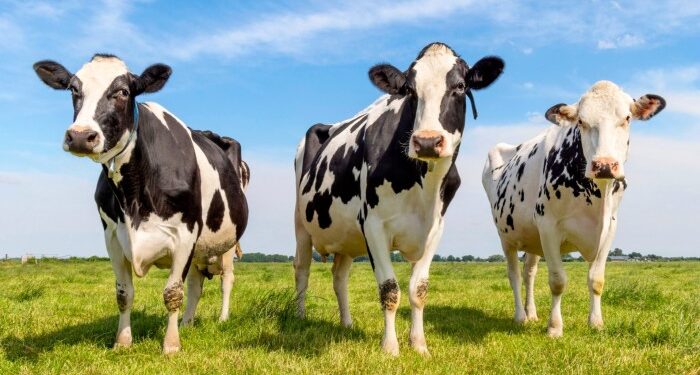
{"x": 168, "y": 196}
{"x": 382, "y": 180}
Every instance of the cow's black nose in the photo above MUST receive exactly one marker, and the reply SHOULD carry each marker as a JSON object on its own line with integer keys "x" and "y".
{"x": 81, "y": 141}
{"x": 428, "y": 147}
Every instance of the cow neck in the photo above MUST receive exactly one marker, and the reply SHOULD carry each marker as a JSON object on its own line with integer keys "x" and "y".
{"x": 132, "y": 135}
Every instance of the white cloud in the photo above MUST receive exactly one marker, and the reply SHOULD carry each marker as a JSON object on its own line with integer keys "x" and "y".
{"x": 680, "y": 86}
{"x": 622, "y": 41}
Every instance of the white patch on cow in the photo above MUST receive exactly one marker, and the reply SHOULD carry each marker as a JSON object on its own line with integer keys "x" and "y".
{"x": 96, "y": 77}
{"x": 159, "y": 112}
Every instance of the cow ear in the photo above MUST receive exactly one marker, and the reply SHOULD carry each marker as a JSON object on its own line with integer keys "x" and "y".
{"x": 153, "y": 78}
{"x": 53, "y": 74}
{"x": 387, "y": 78}
{"x": 561, "y": 114}
{"x": 484, "y": 72}
{"x": 647, "y": 106}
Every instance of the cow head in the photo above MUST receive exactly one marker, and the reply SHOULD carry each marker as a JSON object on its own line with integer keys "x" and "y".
{"x": 437, "y": 82}
{"x": 603, "y": 116}
{"x": 103, "y": 93}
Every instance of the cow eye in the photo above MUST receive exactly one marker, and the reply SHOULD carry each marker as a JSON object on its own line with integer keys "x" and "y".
{"x": 122, "y": 93}
{"x": 74, "y": 91}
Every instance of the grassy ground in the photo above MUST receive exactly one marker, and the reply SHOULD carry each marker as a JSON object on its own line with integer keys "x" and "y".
{"x": 61, "y": 317}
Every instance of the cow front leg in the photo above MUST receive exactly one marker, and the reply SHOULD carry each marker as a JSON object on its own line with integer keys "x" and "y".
{"x": 389, "y": 293}
{"x": 529, "y": 274}
{"x": 195, "y": 282}
{"x": 596, "y": 280}
{"x": 341, "y": 273}
{"x": 514, "y": 277}
{"x": 551, "y": 245}
{"x": 226, "y": 282}
{"x": 124, "y": 289}
{"x": 172, "y": 297}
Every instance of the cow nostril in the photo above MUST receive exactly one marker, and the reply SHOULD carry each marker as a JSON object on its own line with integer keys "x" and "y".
{"x": 69, "y": 137}
{"x": 92, "y": 137}
{"x": 440, "y": 142}
{"x": 416, "y": 143}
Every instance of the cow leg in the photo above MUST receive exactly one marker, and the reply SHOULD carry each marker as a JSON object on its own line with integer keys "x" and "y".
{"x": 124, "y": 288}
{"x": 514, "y": 278}
{"x": 341, "y": 273}
{"x": 195, "y": 282}
{"x": 226, "y": 283}
{"x": 173, "y": 295}
{"x": 551, "y": 245}
{"x": 389, "y": 293}
{"x": 529, "y": 273}
{"x": 302, "y": 264}
{"x": 596, "y": 279}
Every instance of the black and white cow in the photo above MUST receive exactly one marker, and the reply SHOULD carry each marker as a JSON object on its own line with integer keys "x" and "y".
{"x": 560, "y": 192}
{"x": 168, "y": 196}
{"x": 382, "y": 180}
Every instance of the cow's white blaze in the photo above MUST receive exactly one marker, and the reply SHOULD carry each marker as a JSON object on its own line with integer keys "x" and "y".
{"x": 96, "y": 76}
{"x": 431, "y": 86}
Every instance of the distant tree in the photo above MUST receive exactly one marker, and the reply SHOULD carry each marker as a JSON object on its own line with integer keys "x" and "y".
{"x": 496, "y": 258}
{"x": 397, "y": 257}
{"x": 451, "y": 258}
{"x": 617, "y": 252}
{"x": 635, "y": 255}
{"x": 468, "y": 258}
{"x": 438, "y": 258}
{"x": 654, "y": 257}
{"x": 361, "y": 259}
{"x": 567, "y": 258}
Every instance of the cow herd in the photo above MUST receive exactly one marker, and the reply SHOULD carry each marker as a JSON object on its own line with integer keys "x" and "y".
{"x": 378, "y": 182}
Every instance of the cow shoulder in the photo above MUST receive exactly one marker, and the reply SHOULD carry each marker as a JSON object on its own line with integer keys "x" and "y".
{"x": 386, "y": 138}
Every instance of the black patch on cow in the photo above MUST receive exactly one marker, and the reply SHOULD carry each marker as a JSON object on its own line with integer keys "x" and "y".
{"x": 114, "y": 116}
{"x": 453, "y": 103}
{"x": 215, "y": 216}
{"x": 521, "y": 169}
{"x": 106, "y": 199}
{"x": 558, "y": 194}
{"x": 449, "y": 186}
{"x": 617, "y": 184}
{"x": 226, "y": 161}
{"x": 162, "y": 176}
{"x": 539, "y": 209}
{"x": 565, "y": 167}
{"x": 509, "y": 221}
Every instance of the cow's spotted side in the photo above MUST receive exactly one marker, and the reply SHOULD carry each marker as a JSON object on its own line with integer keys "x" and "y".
{"x": 560, "y": 192}
{"x": 167, "y": 196}
{"x": 383, "y": 179}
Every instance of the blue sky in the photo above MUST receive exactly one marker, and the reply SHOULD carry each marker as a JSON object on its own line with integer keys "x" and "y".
{"x": 263, "y": 72}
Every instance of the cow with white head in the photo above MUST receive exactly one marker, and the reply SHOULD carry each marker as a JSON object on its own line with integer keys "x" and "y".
{"x": 560, "y": 192}
{"x": 168, "y": 195}
{"x": 382, "y": 180}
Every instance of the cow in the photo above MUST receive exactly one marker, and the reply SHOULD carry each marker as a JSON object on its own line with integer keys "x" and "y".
{"x": 560, "y": 192}
{"x": 383, "y": 179}
{"x": 167, "y": 195}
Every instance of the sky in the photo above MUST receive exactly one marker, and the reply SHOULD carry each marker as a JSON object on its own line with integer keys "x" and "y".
{"x": 264, "y": 71}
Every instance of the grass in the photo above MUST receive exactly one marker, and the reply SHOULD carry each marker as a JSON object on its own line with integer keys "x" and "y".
{"x": 61, "y": 317}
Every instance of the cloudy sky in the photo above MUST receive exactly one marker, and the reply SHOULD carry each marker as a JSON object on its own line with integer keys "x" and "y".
{"x": 264, "y": 71}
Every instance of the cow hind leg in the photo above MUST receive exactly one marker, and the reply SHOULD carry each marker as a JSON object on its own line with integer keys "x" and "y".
{"x": 195, "y": 283}
{"x": 341, "y": 273}
{"x": 302, "y": 265}
{"x": 226, "y": 283}
{"x": 529, "y": 274}
{"x": 514, "y": 277}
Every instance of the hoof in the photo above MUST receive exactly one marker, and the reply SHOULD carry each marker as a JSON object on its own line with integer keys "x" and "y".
{"x": 520, "y": 318}
{"x": 532, "y": 318}
{"x": 187, "y": 323}
{"x": 595, "y": 323}
{"x": 123, "y": 341}
{"x": 171, "y": 349}
{"x": 346, "y": 324}
{"x": 422, "y": 350}
{"x": 223, "y": 318}
{"x": 120, "y": 345}
{"x": 555, "y": 332}
{"x": 391, "y": 348}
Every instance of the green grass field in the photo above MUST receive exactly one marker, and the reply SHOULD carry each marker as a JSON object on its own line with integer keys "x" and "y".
{"x": 61, "y": 317}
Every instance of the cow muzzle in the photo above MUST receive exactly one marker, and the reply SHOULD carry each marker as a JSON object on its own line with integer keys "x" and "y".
{"x": 605, "y": 168}
{"x": 428, "y": 144}
{"x": 81, "y": 141}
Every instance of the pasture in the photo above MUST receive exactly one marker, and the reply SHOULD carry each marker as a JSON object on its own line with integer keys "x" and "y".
{"x": 61, "y": 317}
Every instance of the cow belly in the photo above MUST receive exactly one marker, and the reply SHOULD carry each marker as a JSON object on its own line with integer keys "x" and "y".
{"x": 343, "y": 235}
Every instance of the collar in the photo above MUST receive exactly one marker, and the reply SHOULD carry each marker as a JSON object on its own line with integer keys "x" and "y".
{"x": 132, "y": 135}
